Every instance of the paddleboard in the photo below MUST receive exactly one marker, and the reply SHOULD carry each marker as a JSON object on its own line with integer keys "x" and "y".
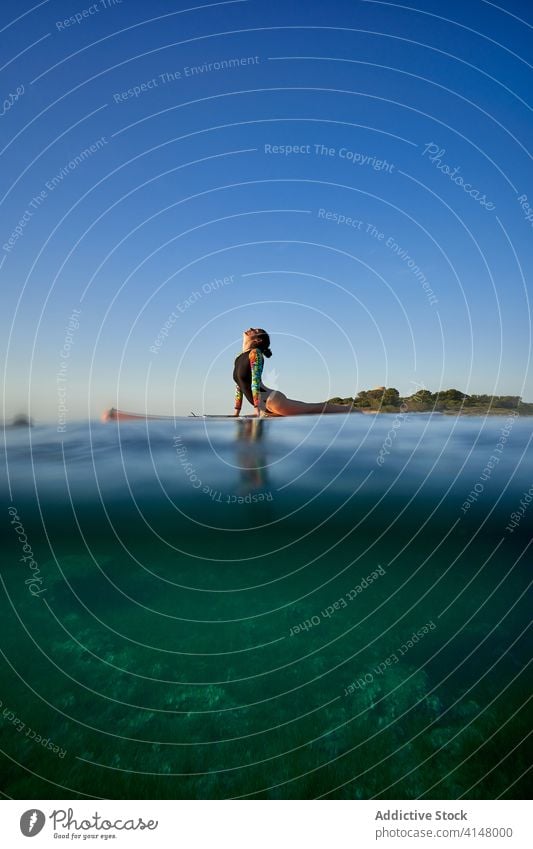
{"x": 115, "y": 415}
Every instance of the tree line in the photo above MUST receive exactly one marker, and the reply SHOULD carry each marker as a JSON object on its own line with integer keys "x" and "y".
{"x": 388, "y": 399}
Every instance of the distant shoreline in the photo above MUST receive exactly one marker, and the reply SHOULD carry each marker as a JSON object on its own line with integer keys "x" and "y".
{"x": 451, "y": 402}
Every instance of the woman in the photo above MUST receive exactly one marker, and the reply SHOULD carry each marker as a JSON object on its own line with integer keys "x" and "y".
{"x": 247, "y": 374}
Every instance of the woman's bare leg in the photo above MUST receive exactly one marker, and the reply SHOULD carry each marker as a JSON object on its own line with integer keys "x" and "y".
{"x": 280, "y": 405}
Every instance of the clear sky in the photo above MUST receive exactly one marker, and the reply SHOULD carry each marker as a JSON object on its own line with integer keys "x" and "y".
{"x": 353, "y": 176}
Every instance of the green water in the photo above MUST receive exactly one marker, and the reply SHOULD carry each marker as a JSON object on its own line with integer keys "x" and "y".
{"x": 187, "y": 647}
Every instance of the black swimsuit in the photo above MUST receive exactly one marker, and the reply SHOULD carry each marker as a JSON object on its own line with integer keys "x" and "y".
{"x": 247, "y": 373}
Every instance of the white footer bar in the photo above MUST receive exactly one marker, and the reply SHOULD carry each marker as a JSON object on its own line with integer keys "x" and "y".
{"x": 267, "y": 824}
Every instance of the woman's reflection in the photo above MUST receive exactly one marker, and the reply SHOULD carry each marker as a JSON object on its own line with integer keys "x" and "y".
{"x": 251, "y": 454}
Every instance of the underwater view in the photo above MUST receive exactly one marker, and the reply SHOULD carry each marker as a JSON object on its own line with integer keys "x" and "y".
{"x": 315, "y": 607}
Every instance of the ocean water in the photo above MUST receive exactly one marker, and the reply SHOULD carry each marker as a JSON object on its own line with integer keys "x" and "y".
{"x": 313, "y": 607}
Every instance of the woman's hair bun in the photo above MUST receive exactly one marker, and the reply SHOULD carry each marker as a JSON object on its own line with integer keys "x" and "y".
{"x": 267, "y": 352}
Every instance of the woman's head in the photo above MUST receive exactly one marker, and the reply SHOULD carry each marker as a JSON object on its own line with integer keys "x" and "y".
{"x": 256, "y": 337}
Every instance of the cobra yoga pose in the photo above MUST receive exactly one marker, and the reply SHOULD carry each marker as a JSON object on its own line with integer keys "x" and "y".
{"x": 247, "y": 374}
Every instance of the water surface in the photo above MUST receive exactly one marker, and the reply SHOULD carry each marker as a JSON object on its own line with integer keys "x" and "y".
{"x": 272, "y": 609}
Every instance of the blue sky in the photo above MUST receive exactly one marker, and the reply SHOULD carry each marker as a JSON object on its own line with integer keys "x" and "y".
{"x": 311, "y": 185}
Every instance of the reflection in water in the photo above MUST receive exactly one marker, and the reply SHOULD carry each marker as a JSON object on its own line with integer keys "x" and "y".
{"x": 251, "y": 455}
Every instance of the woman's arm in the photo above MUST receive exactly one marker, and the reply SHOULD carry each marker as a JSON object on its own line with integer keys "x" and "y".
{"x": 238, "y": 400}
{"x": 256, "y": 365}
